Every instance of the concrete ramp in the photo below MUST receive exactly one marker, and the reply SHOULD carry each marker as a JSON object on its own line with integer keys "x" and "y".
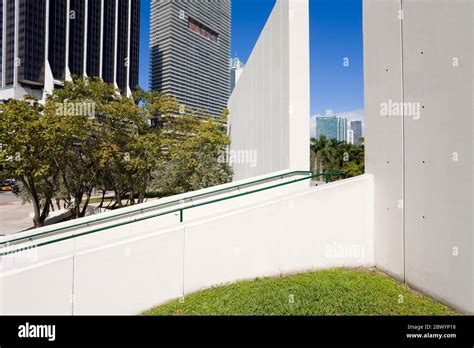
{"x": 125, "y": 265}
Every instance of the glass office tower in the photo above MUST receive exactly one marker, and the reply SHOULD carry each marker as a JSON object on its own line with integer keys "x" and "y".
{"x": 331, "y": 127}
{"x": 44, "y": 42}
{"x": 190, "y": 52}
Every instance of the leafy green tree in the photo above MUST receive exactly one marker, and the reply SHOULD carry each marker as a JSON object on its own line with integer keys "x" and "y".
{"x": 77, "y": 110}
{"x": 134, "y": 149}
{"x": 29, "y": 152}
{"x": 330, "y": 155}
{"x": 191, "y": 162}
{"x": 89, "y": 136}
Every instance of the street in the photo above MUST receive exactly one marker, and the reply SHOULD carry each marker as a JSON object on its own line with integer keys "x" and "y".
{"x": 14, "y": 216}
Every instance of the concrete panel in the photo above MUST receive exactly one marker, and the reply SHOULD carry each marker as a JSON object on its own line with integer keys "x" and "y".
{"x": 325, "y": 226}
{"x": 42, "y": 289}
{"x": 129, "y": 277}
{"x": 328, "y": 227}
{"x": 434, "y": 243}
{"x": 269, "y": 108}
{"x": 438, "y": 76}
{"x": 299, "y": 82}
{"x": 231, "y": 247}
{"x": 384, "y": 133}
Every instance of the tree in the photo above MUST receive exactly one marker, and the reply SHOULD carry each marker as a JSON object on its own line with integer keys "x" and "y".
{"x": 330, "y": 155}
{"x": 77, "y": 110}
{"x": 134, "y": 149}
{"x": 29, "y": 152}
{"x": 193, "y": 145}
{"x": 326, "y": 154}
{"x": 89, "y": 136}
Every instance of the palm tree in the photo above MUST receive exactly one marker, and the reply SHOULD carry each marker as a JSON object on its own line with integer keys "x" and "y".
{"x": 325, "y": 154}
{"x": 331, "y": 155}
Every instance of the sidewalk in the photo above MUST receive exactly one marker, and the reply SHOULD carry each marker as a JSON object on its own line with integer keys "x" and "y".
{"x": 14, "y": 216}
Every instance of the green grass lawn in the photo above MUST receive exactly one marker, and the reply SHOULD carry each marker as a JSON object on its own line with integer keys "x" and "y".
{"x": 328, "y": 292}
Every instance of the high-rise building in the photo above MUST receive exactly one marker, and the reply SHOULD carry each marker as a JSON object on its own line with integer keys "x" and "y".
{"x": 45, "y": 42}
{"x": 236, "y": 69}
{"x": 326, "y": 126}
{"x": 331, "y": 127}
{"x": 356, "y": 126}
{"x": 190, "y": 52}
{"x": 341, "y": 129}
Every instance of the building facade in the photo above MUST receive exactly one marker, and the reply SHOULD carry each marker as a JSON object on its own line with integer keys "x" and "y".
{"x": 331, "y": 127}
{"x": 341, "y": 129}
{"x": 190, "y": 52}
{"x": 45, "y": 42}
{"x": 236, "y": 70}
{"x": 356, "y": 127}
{"x": 326, "y": 126}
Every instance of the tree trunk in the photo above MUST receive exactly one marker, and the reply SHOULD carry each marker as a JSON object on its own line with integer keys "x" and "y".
{"x": 44, "y": 214}
{"x": 131, "y": 187}
{"x": 86, "y": 204}
{"x": 102, "y": 200}
{"x": 36, "y": 219}
{"x": 118, "y": 197}
{"x": 141, "y": 197}
{"x": 29, "y": 186}
{"x": 77, "y": 206}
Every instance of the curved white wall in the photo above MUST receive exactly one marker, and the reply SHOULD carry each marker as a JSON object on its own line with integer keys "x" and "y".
{"x": 319, "y": 227}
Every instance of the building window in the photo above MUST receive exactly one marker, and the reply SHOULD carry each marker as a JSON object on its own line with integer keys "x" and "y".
{"x": 202, "y": 30}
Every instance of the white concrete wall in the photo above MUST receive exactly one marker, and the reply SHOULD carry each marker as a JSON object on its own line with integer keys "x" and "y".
{"x": 383, "y": 142}
{"x": 326, "y": 226}
{"x": 269, "y": 108}
{"x": 124, "y": 216}
{"x": 425, "y": 162}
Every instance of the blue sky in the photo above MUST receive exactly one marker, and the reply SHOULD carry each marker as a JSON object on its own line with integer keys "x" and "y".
{"x": 335, "y": 34}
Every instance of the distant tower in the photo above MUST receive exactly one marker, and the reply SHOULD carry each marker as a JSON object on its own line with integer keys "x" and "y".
{"x": 190, "y": 52}
{"x": 356, "y": 126}
{"x": 341, "y": 129}
{"x": 326, "y": 126}
{"x": 331, "y": 127}
{"x": 236, "y": 69}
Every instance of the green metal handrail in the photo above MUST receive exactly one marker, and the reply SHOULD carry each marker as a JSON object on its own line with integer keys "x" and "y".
{"x": 155, "y": 206}
{"x": 180, "y": 210}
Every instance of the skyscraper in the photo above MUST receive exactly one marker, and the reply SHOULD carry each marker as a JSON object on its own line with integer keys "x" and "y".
{"x": 356, "y": 126}
{"x": 331, "y": 127}
{"x": 326, "y": 126}
{"x": 236, "y": 69}
{"x": 190, "y": 52}
{"x": 341, "y": 129}
{"x": 41, "y": 45}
